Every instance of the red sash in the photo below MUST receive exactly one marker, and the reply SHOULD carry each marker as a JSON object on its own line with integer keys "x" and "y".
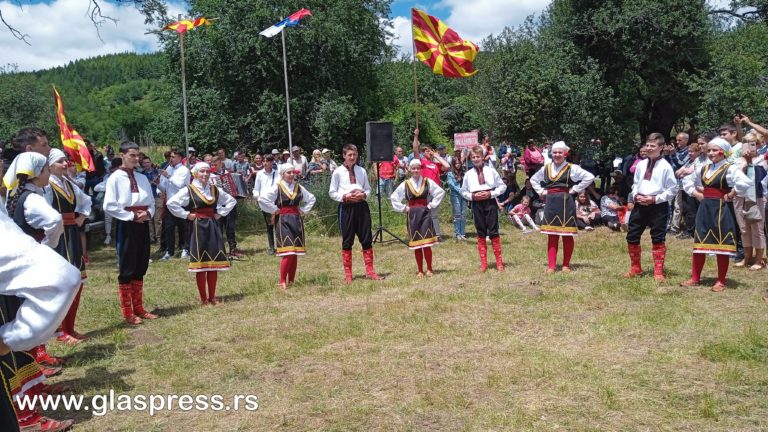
{"x": 291, "y": 210}
{"x": 69, "y": 219}
{"x": 204, "y": 213}
{"x": 715, "y": 193}
{"x": 417, "y": 202}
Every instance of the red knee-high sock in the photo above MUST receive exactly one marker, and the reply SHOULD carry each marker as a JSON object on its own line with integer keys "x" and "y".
{"x": 285, "y": 264}
{"x": 292, "y": 269}
{"x": 212, "y": 277}
{"x": 419, "y": 254}
{"x": 698, "y": 266}
{"x": 428, "y": 257}
{"x": 200, "y": 278}
{"x": 567, "y": 250}
{"x": 68, "y": 325}
{"x": 722, "y": 267}
{"x": 552, "y": 251}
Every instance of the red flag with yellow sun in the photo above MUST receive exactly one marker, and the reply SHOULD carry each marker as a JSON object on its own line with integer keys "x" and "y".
{"x": 184, "y": 25}
{"x": 441, "y": 48}
{"x": 73, "y": 144}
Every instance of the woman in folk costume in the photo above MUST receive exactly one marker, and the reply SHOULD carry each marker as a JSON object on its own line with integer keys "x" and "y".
{"x": 203, "y": 203}
{"x": 287, "y": 200}
{"x": 557, "y": 182}
{"x": 422, "y": 196}
{"x": 74, "y": 206}
{"x": 32, "y": 315}
{"x": 481, "y": 185}
{"x": 715, "y": 186}
{"x": 26, "y": 179}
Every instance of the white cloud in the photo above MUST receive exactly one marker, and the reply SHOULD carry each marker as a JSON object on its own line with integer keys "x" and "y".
{"x": 61, "y": 31}
{"x": 472, "y": 20}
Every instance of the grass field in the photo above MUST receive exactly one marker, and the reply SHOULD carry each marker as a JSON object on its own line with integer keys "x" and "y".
{"x": 518, "y": 350}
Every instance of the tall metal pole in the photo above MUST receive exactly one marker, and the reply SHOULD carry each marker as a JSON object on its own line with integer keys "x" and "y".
{"x": 184, "y": 96}
{"x": 287, "y": 98}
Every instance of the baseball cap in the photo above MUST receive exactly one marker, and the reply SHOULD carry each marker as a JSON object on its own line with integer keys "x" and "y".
{"x": 275, "y": 151}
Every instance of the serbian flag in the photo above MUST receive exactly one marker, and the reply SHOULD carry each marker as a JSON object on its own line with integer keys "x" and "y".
{"x": 73, "y": 143}
{"x": 441, "y": 48}
{"x": 184, "y": 25}
{"x": 291, "y": 21}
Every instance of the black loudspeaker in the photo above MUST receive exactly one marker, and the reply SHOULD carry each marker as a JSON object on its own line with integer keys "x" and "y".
{"x": 378, "y": 141}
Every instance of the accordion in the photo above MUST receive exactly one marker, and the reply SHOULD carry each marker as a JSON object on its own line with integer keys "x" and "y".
{"x": 233, "y": 184}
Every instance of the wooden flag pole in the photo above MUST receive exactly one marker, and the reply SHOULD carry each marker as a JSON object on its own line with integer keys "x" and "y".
{"x": 184, "y": 95}
{"x": 415, "y": 80}
{"x": 287, "y": 98}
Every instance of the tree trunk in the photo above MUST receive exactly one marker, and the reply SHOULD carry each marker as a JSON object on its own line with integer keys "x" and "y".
{"x": 658, "y": 116}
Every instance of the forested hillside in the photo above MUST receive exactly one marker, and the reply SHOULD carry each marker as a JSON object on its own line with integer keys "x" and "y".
{"x": 106, "y": 98}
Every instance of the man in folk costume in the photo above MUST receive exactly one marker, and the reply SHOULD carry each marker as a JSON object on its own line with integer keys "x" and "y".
{"x": 203, "y": 204}
{"x": 423, "y": 196}
{"x": 128, "y": 199}
{"x": 655, "y": 185}
{"x": 715, "y": 186}
{"x": 482, "y": 185}
{"x": 74, "y": 206}
{"x": 287, "y": 201}
{"x": 265, "y": 179}
{"x": 33, "y": 302}
{"x": 350, "y": 187}
{"x": 556, "y": 182}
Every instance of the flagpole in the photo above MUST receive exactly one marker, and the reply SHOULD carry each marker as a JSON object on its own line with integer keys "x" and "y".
{"x": 184, "y": 97}
{"x": 415, "y": 80}
{"x": 287, "y": 97}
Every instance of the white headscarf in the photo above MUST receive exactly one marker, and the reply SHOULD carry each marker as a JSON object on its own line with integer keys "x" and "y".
{"x": 560, "y": 145}
{"x": 55, "y": 155}
{"x": 414, "y": 162}
{"x": 29, "y": 163}
{"x": 723, "y": 144}
{"x": 198, "y": 166}
{"x": 285, "y": 168}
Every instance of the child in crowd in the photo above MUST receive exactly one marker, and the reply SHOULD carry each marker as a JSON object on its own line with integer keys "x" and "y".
{"x": 587, "y": 212}
{"x": 522, "y": 212}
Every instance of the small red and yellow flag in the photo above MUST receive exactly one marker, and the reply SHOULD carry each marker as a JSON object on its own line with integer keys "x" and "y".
{"x": 73, "y": 143}
{"x": 184, "y": 25}
{"x": 441, "y": 48}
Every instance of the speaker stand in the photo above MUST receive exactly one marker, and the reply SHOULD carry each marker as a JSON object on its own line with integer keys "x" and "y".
{"x": 378, "y": 234}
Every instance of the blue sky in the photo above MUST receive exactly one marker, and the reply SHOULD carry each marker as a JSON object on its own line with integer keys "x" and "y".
{"x": 50, "y": 46}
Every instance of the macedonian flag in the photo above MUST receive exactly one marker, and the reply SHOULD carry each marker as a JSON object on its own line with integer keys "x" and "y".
{"x": 184, "y": 25}
{"x": 441, "y": 48}
{"x": 73, "y": 143}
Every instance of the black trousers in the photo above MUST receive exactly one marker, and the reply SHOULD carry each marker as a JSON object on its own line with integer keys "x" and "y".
{"x": 229, "y": 224}
{"x": 355, "y": 220}
{"x": 270, "y": 230}
{"x": 132, "y": 250}
{"x": 736, "y": 233}
{"x": 172, "y": 224}
{"x": 653, "y": 216}
{"x": 8, "y": 420}
{"x": 690, "y": 208}
{"x": 485, "y": 214}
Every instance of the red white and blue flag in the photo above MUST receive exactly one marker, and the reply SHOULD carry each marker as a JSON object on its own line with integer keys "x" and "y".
{"x": 291, "y": 21}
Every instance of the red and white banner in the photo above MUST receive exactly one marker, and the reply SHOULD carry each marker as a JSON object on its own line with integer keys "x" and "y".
{"x": 465, "y": 140}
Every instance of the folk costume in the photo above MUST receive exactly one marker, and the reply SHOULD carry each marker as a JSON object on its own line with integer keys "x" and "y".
{"x": 206, "y": 245}
{"x": 35, "y": 294}
{"x": 422, "y": 196}
{"x": 715, "y": 225}
{"x": 287, "y": 202}
{"x": 125, "y": 195}
{"x": 264, "y": 181}
{"x": 485, "y": 212}
{"x": 654, "y": 178}
{"x": 560, "y": 182}
{"x": 70, "y": 201}
{"x": 354, "y": 217}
